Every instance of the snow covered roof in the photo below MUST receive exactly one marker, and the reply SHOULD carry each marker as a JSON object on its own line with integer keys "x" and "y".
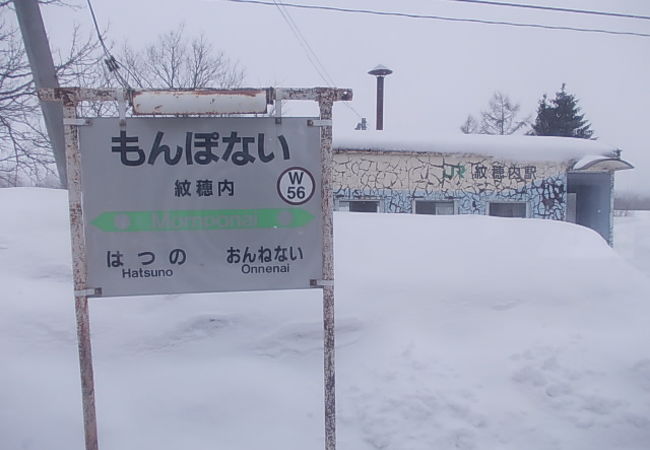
{"x": 591, "y": 163}
{"x": 512, "y": 147}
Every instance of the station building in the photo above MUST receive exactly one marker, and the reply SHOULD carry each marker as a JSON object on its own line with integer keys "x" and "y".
{"x": 541, "y": 177}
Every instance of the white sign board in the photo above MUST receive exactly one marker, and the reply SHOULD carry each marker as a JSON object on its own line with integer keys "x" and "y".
{"x": 175, "y": 205}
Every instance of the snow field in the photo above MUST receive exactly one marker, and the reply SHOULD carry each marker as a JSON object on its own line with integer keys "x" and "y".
{"x": 452, "y": 332}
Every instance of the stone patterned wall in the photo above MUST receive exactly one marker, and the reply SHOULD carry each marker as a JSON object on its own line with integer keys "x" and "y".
{"x": 397, "y": 179}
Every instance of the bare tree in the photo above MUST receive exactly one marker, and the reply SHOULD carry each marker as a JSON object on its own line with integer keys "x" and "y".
{"x": 175, "y": 62}
{"x": 171, "y": 62}
{"x": 470, "y": 126}
{"x": 499, "y": 118}
{"x": 4, "y": 3}
{"x": 25, "y": 151}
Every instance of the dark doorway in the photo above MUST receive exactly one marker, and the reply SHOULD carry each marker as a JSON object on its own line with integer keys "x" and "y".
{"x": 589, "y": 201}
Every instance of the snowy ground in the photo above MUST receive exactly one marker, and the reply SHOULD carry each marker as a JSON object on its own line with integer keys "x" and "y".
{"x": 632, "y": 238}
{"x": 452, "y": 333}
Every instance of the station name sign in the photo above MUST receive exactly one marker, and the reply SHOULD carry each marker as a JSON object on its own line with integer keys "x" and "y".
{"x": 177, "y": 205}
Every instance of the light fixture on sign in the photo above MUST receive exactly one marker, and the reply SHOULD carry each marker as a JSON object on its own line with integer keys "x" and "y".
{"x": 201, "y": 101}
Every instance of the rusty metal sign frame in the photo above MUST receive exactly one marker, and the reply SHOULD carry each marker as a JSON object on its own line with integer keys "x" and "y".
{"x": 71, "y": 98}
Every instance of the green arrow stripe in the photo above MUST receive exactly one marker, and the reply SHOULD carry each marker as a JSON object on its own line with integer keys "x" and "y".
{"x": 206, "y": 219}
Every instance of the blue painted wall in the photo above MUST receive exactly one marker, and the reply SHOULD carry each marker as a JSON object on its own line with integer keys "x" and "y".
{"x": 471, "y": 181}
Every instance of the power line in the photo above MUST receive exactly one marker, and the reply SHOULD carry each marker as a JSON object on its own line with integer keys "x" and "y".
{"x": 443, "y": 18}
{"x": 309, "y": 51}
{"x": 556, "y": 9}
{"x": 111, "y": 62}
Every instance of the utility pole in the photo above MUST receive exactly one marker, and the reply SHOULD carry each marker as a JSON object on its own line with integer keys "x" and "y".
{"x": 42, "y": 65}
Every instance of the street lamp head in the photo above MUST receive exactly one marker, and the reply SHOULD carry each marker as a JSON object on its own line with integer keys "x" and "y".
{"x": 380, "y": 71}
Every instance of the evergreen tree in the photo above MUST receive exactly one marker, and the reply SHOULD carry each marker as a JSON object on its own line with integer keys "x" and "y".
{"x": 561, "y": 117}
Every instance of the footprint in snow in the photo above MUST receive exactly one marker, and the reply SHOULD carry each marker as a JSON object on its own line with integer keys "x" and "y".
{"x": 302, "y": 338}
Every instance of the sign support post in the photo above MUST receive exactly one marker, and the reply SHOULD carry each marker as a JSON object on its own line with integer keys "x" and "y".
{"x": 325, "y": 106}
{"x": 73, "y": 163}
{"x": 326, "y": 98}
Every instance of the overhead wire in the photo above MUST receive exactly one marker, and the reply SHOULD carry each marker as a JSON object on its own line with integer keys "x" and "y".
{"x": 312, "y": 56}
{"x": 556, "y": 9}
{"x": 444, "y": 18}
{"x": 111, "y": 63}
{"x": 309, "y": 52}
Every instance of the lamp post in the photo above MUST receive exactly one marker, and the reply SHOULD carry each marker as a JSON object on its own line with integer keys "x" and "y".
{"x": 380, "y": 72}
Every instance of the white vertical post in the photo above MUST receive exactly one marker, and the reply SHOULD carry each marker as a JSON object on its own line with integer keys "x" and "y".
{"x": 610, "y": 239}
{"x": 325, "y": 102}
{"x": 73, "y": 163}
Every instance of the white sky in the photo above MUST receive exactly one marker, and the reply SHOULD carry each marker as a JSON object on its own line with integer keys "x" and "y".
{"x": 442, "y": 70}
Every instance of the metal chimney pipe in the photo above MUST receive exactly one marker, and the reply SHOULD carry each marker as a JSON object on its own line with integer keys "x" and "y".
{"x": 380, "y": 72}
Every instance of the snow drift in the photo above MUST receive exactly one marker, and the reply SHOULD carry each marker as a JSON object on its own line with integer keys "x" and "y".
{"x": 452, "y": 332}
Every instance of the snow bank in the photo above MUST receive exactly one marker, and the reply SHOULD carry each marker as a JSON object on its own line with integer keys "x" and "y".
{"x": 452, "y": 332}
{"x": 632, "y": 238}
{"x": 513, "y": 147}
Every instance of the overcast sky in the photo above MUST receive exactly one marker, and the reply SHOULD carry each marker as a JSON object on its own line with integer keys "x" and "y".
{"x": 442, "y": 70}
